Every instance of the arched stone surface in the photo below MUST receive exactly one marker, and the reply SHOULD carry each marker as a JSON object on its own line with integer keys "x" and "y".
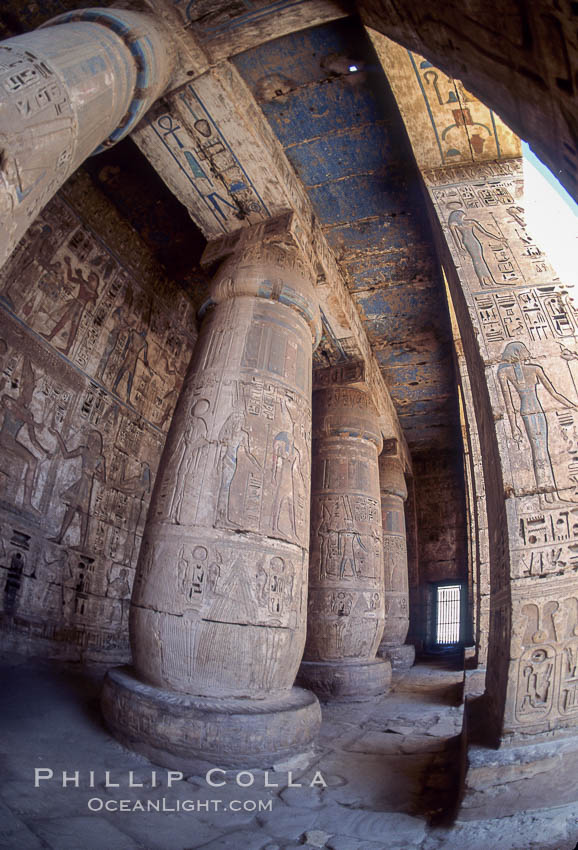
{"x": 519, "y": 330}
{"x": 396, "y": 588}
{"x": 219, "y": 603}
{"x": 83, "y": 80}
{"x": 519, "y": 58}
{"x": 346, "y": 604}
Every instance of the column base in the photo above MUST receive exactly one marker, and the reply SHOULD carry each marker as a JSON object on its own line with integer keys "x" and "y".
{"x": 504, "y": 782}
{"x": 178, "y": 730}
{"x": 401, "y": 657}
{"x": 346, "y": 682}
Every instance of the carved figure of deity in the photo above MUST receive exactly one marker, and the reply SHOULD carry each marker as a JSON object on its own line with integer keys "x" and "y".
{"x": 78, "y": 497}
{"x": 234, "y": 439}
{"x": 516, "y": 373}
{"x": 17, "y": 415}
{"x": 465, "y": 232}
{"x": 75, "y": 307}
{"x": 190, "y": 451}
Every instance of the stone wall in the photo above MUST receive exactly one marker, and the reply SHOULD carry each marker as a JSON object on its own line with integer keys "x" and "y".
{"x": 93, "y": 350}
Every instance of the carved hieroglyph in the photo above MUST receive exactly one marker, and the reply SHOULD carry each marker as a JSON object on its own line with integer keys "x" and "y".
{"x": 396, "y": 589}
{"x": 219, "y": 599}
{"x": 346, "y": 591}
{"x": 88, "y": 350}
{"x": 85, "y": 80}
{"x": 519, "y": 329}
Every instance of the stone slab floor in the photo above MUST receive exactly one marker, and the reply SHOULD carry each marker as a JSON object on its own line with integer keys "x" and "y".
{"x": 390, "y": 768}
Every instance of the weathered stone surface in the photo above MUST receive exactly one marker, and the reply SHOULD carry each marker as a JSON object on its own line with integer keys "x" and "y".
{"x": 346, "y": 606}
{"x": 85, "y": 80}
{"x": 219, "y": 605}
{"x": 178, "y": 730}
{"x": 393, "y": 495}
{"x": 349, "y": 681}
{"x": 513, "y": 779}
{"x": 93, "y": 352}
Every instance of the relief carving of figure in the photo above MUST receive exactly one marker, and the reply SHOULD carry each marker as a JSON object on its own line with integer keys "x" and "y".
{"x": 139, "y": 486}
{"x": 190, "y": 451}
{"x": 135, "y": 347}
{"x": 40, "y": 248}
{"x": 234, "y": 441}
{"x": 124, "y": 323}
{"x": 78, "y": 497}
{"x": 465, "y": 232}
{"x": 516, "y": 373}
{"x": 348, "y": 536}
{"x": 119, "y": 590}
{"x": 284, "y": 461}
{"x": 17, "y": 416}
{"x": 75, "y": 307}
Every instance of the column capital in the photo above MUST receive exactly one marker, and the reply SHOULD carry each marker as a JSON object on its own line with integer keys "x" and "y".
{"x": 264, "y": 261}
{"x": 346, "y": 412}
{"x": 153, "y": 52}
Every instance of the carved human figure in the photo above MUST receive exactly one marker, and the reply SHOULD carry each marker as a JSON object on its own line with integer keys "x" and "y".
{"x": 17, "y": 416}
{"x": 190, "y": 452}
{"x": 348, "y": 537}
{"x": 233, "y": 438}
{"x": 119, "y": 590}
{"x": 517, "y": 374}
{"x": 284, "y": 462}
{"x": 135, "y": 347}
{"x": 78, "y": 497}
{"x": 39, "y": 248}
{"x": 124, "y": 323}
{"x": 74, "y": 309}
{"x": 465, "y": 232}
{"x": 139, "y": 486}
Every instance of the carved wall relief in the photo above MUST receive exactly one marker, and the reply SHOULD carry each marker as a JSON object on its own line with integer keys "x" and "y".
{"x": 86, "y": 346}
{"x": 546, "y": 647}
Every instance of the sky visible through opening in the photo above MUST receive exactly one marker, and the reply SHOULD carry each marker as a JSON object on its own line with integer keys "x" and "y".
{"x": 552, "y": 217}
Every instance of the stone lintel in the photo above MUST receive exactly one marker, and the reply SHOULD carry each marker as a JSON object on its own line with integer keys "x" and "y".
{"x": 350, "y": 374}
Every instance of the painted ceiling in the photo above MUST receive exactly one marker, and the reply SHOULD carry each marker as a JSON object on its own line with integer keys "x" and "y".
{"x": 328, "y": 101}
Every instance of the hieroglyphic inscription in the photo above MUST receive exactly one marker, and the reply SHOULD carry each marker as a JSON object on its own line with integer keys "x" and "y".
{"x": 80, "y": 430}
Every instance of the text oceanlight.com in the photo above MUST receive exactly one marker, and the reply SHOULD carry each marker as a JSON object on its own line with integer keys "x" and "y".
{"x": 97, "y": 804}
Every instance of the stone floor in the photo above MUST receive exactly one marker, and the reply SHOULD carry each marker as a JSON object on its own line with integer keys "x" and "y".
{"x": 390, "y": 768}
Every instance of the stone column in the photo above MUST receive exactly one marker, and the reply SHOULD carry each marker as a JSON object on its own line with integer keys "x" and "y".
{"x": 393, "y": 495}
{"x": 218, "y": 613}
{"x": 346, "y": 605}
{"x": 75, "y": 86}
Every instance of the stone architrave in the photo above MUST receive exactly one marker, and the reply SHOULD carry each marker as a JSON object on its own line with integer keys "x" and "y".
{"x": 393, "y": 495}
{"x": 218, "y": 614}
{"x": 75, "y": 86}
{"x": 346, "y": 593}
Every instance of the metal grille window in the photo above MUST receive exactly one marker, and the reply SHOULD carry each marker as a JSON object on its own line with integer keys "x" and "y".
{"x": 448, "y": 613}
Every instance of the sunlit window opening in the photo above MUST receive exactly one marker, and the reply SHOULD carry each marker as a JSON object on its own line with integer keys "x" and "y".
{"x": 551, "y": 217}
{"x": 448, "y": 613}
